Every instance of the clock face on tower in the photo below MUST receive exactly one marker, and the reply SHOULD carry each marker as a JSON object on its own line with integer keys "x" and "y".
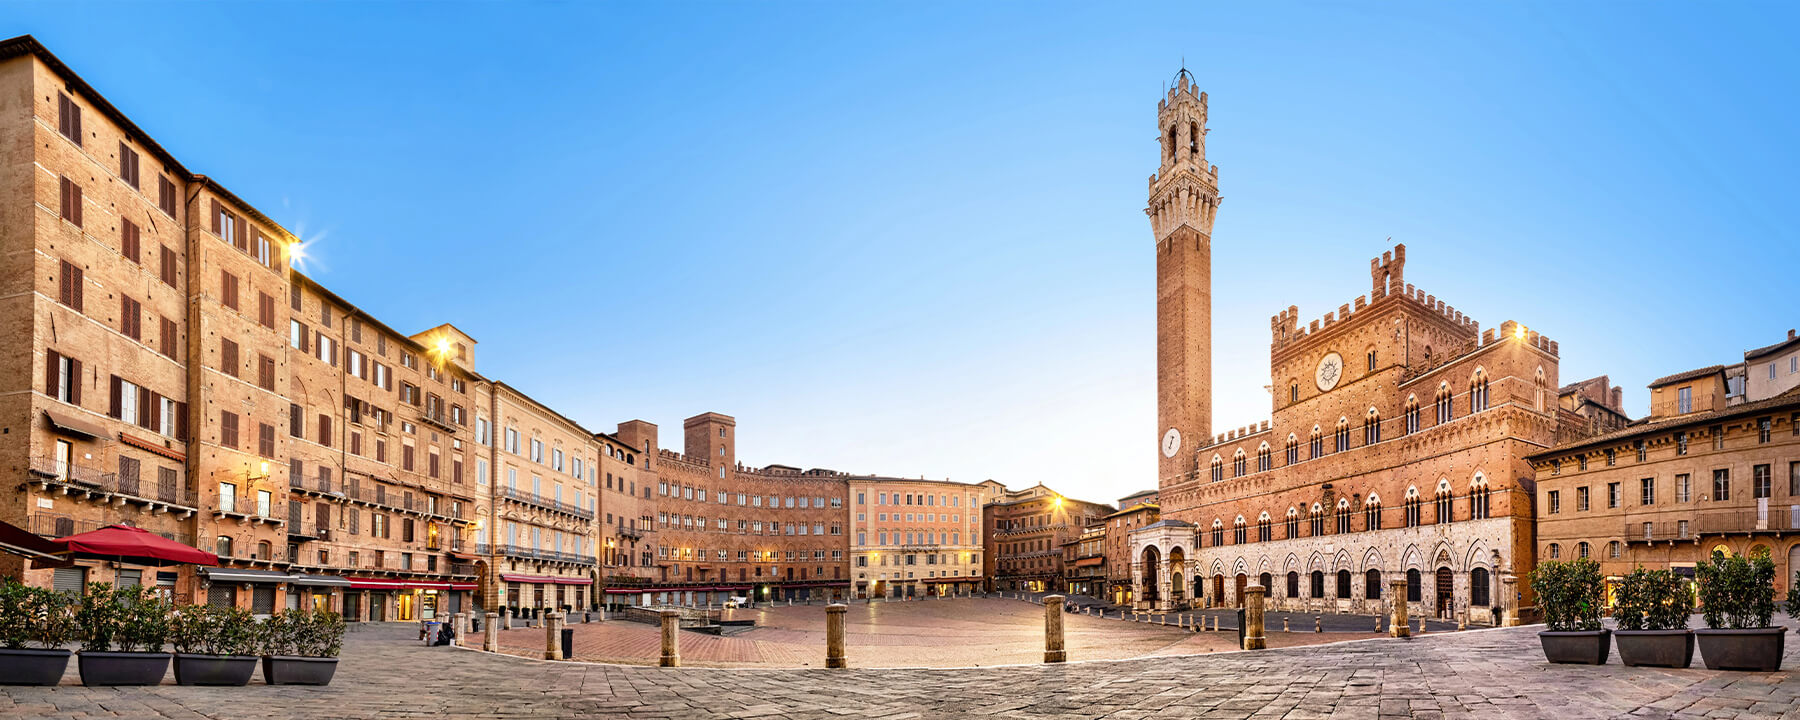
{"x": 1330, "y": 370}
{"x": 1171, "y": 442}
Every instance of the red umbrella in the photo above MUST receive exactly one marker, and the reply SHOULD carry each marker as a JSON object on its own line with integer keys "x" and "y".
{"x": 137, "y": 546}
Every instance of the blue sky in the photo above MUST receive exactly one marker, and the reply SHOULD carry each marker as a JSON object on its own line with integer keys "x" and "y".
{"x": 908, "y": 239}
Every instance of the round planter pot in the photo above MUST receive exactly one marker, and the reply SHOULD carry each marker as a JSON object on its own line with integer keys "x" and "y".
{"x": 197, "y": 669}
{"x": 1659, "y": 648}
{"x": 1753, "y": 649}
{"x": 1584, "y": 647}
{"x": 294, "y": 670}
{"x": 32, "y": 667}
{"x": 122, "y": 668}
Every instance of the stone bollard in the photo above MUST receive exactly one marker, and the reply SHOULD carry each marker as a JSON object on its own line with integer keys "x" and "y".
{"x": 552, "y": 636}
{"x": 1253, "y": 617}
{"x": 1053, "y": 630}
{"x": 1421, "y": 624}
{"x": 1318, "y": 623}
{"x": 834, "y": 636}
{"x": 1397, "y": 601}
{"x": 1377, "y": 624}
{"x": 671, "y": 639}
{"x": 1284, "y": 624}
{"x": 1462, "y": 622}
{"x": 460, "y": 621}
{"x": 490, "y": 628}
{"x": 1509, "y": 601}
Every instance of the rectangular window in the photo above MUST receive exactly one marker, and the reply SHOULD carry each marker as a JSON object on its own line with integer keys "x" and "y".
{"x": 1721, "y": 489}
{"x": 1612, "y": 495}
{"x": 68, "y": 118}
{"x": 265, "y": 372}
{"x": 70, "y": 286}
{"x": 228, "y": 357}
{"x": 165, "y": 195}
{"x": 1581, "y": 499}
{"x": 1765, "y": 426}
{"x": 167, "y": 271}
{"x": 1760, "y": 481}
{"x": 265, "y": 310}
{"x": 1647, "y": 491}
{"x": 131, "y": 318}
{"x": 128, "y": 240}
{"x": 228, "y": 428}
{"x": 1683, "y": 488}
{"x": 128, "y": 165}
{"x": 1684, "y": 400}
{"x": 1555, "y": 501}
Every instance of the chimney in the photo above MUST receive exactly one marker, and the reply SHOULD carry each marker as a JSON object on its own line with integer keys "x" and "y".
{"x": 1790, "y": 333}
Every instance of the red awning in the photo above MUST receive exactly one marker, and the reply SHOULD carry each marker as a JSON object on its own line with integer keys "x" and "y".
{"x": 551, "y": 579}
{"x": 154, "y": 447}
{"x": 391, "y": 584}
{"x": 24, "y": 543}
{"x": 124, "y": 543}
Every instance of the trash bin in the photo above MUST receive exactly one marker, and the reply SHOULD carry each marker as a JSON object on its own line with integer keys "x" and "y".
{"x": 432, "y": 628}
{"x": 1240, "y": 628}
{"x": 568, "y": 642}
{"x": 476, "y": 624}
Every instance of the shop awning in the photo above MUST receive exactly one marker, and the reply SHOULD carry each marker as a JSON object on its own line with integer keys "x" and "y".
{"x": 152, "y": 446}
{"x": 123, "y": 543}
{"x": 549, "y": 579}
{"x": 391, "y": 584}
{"x": 319, "y": 580}
{"x": 65, "y": 423}
{"x": 22, "y": 542}
{"x": 464, "y": 556}
{"x": 929, "y": 581}
{"x": 233, "y": 575}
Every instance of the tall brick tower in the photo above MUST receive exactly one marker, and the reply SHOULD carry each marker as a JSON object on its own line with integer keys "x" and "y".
{"x": 1184, "y": 199}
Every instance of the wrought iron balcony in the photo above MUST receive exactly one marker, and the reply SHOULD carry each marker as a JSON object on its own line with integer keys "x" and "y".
{"x": 534, "y": 499}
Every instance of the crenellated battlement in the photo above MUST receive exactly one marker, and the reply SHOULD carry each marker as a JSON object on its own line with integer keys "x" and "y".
{"x": 1238, "y": 433}
{"x": 1387, "y": 274}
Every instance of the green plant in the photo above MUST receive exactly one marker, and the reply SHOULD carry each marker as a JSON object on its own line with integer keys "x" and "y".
{"x": 275, "y": 634}
{"x": 100, "y": 617}
{"x": 1793, "y": 597}
{"x": 1569, "y": 593}
{"x": 146, "y": 619}
{"x": 52, "y": 622}
{"x": 192, "y": 628}
{"x": 319, "y": 633}
{"x": 1653, "y": 600}
{"x": 15, "y": 614}
{"x": 1737, "y": 592}
{"x": 236, "y": 633}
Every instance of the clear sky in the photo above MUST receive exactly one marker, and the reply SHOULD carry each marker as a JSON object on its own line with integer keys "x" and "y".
{"x": 908, "y": 238}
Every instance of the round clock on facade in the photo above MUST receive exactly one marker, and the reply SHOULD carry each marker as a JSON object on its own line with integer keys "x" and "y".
{"x": 1171, "y": 442}
{"x": 1330, "y": 370}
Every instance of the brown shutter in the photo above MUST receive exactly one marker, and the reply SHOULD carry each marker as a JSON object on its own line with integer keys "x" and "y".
{"x": 181, "y": 421}
{"x": 115, "y": 410}
{"x": 147, "y": 410}
{"x": 243, "y": 235}
{"x": 75, "y": 286}
{"x": 62, "y": 197}
{"x": 215, "y": 217}
{"x": 52, "y": 367}
{"x": 74, "y": 381}
{"x": 305, "y": 339}
{"x": 365, "y": 367}
{"x": 76, "y": 201}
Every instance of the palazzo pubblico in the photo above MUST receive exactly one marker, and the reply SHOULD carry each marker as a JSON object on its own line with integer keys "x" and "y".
{"x": 1396, "y": 446}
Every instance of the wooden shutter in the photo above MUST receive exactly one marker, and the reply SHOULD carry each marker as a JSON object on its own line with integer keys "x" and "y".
{"x": 228, "y": 357}
{"x": 168, "y": 266}
{"x": 242, "y": 235}
{"x": 52, "y": 370}
{"x": 116, "y": 409}
{"x": 168, "y": 337}
{"x": 228, "y": 429}
{"x": 305, "y": 338}
{"x": 74, "y": 381}
{"x": 181, "y": 421}
{"x": 128, "y": 240}
{"x": 294, "y": 420}
{"x": 72, "y": 202}
{"x": 365, "y": 367}
{"x": 148, "y": 410}
{"x": 325, "y": 430}
{"x": 215, "y": 218}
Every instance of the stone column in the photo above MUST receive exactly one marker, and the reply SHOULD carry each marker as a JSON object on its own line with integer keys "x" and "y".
{"x": 460, "y": 621}
{"x": 1397, "y": 594}
{"x": 490, "y": 628}
{"x": 1253, "y": 617}
{"x": 1053, "y": 630}
{"x": 553, "y": 635}
{"x": 834, "y": 636}
{"x": 671, "y": 639}
{"x": 1509, "y": 600}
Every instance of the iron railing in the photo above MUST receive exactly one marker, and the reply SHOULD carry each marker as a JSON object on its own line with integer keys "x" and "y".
{"x": 528, "y": 498}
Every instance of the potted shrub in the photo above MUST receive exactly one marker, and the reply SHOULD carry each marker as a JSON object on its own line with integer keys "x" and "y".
{"x": 1652, "y": 613}
{"x": 33, "y": 615}
{"x": 300, "y": 647}
{"x": 135, "y": 619}
{"x": 1737, "y": 597}
{"x": 1569, "y": 594}
{"x": 213, "y": 645}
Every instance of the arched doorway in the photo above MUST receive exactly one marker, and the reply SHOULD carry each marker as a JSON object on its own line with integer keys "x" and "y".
{"x": 1414, "y": 591}
{"x": 1218, "y": 590}
{"x": 1150, "y": 576}
{"x": 1242, "y": 581}
{"x": 1264, "y": 580}
{"x": 1445, "y": 591}
{"x": 1177, "y": 584}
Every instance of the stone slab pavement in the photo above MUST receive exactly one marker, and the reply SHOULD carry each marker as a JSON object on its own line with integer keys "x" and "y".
{"x": 1501, "y": 673}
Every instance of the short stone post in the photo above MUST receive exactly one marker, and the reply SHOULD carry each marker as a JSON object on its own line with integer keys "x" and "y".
{"x": 1462, "y": 621}
{"x": 834, "y": 636}
{"x": 460, "y": 621}
{"x": 1318, "y": 623}
{"x": 1509, "y": 601}
{"x": 671, "y": 639}
{"x": 1421, "y": 624}
{"x": 1397, "y": 595}
{"x": 1253, "y": 617}
{"x": 1284, "y": 624}
{"x": 1377, "y": 623}
{"x": 552, "y": 636}
{"x": 490, "y": 628}
{"x": 1053, "y": 630}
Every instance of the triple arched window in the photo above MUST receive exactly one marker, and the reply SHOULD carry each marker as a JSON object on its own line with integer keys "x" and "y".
{"x": 1292, "y": 523}
{"x": 1412, "y": 507}
{"x": 1443, "y": 404}
{"x": 1264, "y": 532}
{"x": 1445, "y": 502}
{"x": 1341, "y": 438}
{"x": 1412, "y": 414}
{"x": 1315, "y": 444}
{"x": 1372, "y": 513}
{"x": 1478, "y": 392}
{"x": 1237, "y": 464}
{"x": 1262, "y": 458}
{"x": 1218, "y": 468}
{"x": 1293, "y": 449}
{"x": 1478, "y": 498}
{"x": 1372, "y": 427}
